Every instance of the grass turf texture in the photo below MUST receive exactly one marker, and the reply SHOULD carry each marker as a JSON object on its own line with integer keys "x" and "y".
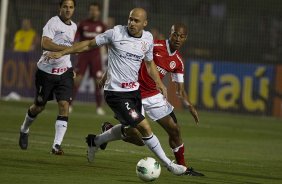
{"x": 227, "y": 148}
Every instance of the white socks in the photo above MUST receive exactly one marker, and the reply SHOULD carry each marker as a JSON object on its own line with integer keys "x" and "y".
{"x": 112, "y": 134}
{"x": 61, "y": 128}
{"x": 26, "y": 124}
{"x": 154, "y": 145}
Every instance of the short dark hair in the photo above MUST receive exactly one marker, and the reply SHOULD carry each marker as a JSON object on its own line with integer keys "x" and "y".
{"x": 95, "y": 4}
{"x": 180, "y": 25}
{"x": 62, "y": 1}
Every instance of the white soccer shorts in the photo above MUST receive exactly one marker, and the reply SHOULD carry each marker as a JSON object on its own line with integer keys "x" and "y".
{"x": 156, "y": 107}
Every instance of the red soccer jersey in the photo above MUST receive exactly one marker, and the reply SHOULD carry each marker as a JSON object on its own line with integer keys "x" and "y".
{"x": 166, "y": 62}
{"x": 89, "y": 29}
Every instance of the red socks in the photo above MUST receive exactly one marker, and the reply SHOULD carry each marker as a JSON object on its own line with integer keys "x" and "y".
{"x": 179, "y": 155}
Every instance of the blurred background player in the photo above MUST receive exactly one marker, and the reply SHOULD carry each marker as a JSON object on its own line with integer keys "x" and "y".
{"x": 168, "y": 60}
{"x": 54, "y": 77}
{"x": 91, "y": 60}
{"x": 25, "y": 38}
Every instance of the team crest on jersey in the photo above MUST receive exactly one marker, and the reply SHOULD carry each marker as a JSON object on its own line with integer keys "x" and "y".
{"x": 133, "y": 114}
{"x": 144, "y": 46}
{"x": 172, "y": 64}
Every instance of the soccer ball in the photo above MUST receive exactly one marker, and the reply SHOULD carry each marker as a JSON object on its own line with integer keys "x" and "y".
{"x": 148, "y": 169}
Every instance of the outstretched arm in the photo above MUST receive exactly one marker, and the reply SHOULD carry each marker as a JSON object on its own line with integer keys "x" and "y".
{"x": 48, "y": 44}
{"x": 181, "y": 93}
{"x": 76, "y": 48}
{"x": 154, "y": 74}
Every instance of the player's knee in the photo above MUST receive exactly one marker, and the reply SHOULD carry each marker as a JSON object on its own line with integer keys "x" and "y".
{"x": 63, "y": 107}
{"x": 63, "y": 104}
{"x": 144, "y": 128}
{"x": 36, "y": 109}
{"x": 39, "y": 102}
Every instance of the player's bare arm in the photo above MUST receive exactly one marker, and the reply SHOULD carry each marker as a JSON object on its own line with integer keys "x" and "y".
{"x": 48, "y": 44}
{"x": 181, "y": 93}
{"x": 102, "y": 81}
{"x": 154, "y": 74}
{"x": 76, "y": 48}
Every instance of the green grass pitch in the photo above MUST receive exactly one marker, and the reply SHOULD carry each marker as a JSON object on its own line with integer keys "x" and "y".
{"x": 227, "y": 148}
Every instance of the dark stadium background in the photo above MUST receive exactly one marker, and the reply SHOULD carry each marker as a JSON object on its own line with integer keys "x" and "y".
{"x": 247, "y": 34}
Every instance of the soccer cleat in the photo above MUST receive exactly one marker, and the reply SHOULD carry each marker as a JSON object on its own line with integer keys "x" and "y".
{"x": 57, "y": 150}
{"x": 92, "y": 148}
{"x": 23, "y": 140}
{"x": 105, "y": 126}
{"x": 190, "y": 172}
{"x": 176, "y": 169}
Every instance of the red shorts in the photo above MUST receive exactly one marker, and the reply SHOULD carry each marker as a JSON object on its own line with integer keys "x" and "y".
{"x": 91, "y": 60}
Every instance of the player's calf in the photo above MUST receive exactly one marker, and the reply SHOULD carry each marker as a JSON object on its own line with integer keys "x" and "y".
{"x": 133, "y": 136}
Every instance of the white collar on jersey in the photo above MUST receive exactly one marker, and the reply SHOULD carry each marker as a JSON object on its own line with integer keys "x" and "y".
{"x": 64, "y": 21}
{"x": 168, "y": 49}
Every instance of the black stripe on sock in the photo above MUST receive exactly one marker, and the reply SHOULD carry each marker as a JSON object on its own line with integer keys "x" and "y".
{"x": 31, "y": 115}
{"x": 63, "y": 118}
{"x": 147, "y": 138}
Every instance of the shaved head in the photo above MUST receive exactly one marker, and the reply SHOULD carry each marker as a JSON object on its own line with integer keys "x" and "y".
{"x": 137, "y": 20}
{"x": 139, "y": 11}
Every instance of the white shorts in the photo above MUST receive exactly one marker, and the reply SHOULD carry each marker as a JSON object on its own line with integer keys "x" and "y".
{"x": 156, "y": 107}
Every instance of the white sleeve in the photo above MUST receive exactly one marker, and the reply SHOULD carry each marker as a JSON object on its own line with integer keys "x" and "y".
{"x": 104, "y": 38}
{"x": 49, "y": 30}
{"x": 149, "y": 53}
{"x": 177, "y": 77}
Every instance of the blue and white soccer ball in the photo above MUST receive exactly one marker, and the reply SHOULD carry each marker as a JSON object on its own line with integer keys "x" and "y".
{"x": 148, "y": 169}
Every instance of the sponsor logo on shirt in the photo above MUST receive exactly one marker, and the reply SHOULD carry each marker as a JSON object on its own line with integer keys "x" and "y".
{"x": 161, "y": 70}
{"x": 128, "y": 85}
{"x": 59, "y": 70}
{"x": 131, "y": 56}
